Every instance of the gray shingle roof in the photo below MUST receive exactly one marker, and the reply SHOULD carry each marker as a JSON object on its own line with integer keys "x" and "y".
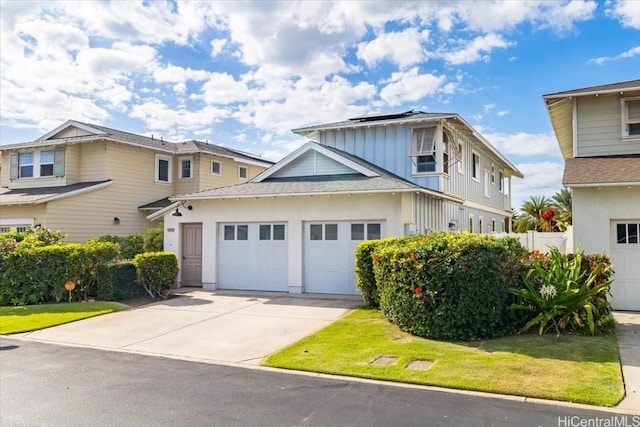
{"x": 156, "y": 204}
{"x": 186, "y": 147}
{"x": 18, "y": 196}
{"x": 601, "y": 170}
{"x": 612, "y": 87}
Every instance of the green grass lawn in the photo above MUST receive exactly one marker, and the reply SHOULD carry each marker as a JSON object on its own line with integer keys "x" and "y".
{"x": 581, "y": 369}
{"x": 33, "y": 317}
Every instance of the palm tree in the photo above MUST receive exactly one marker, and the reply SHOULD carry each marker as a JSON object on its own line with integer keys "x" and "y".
{"x": 531, "y": 217}
{"x": 562, "y": 201}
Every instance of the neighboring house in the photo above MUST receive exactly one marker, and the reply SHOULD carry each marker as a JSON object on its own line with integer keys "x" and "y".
{"x": 295, "y": 226}
{"x": 88, "y": 180}
{"x": 598, "y": 130}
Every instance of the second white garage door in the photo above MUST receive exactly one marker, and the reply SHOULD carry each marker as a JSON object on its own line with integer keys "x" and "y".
{"x": 625, "y": 256}
{"x": 329, "y": 254}
{"x": 253, "y": 256}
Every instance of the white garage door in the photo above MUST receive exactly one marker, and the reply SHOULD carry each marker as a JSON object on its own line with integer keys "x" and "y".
{"x": 253, "y": 257}
{"x": 329, "y": 254}
{"x": 625, "y": 256}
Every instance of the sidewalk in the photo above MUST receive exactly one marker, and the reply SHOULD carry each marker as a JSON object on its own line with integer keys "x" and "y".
{"x": 628, "y": 332}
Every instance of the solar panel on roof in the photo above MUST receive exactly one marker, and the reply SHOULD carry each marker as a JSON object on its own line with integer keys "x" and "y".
{"x": 383, "y": 116}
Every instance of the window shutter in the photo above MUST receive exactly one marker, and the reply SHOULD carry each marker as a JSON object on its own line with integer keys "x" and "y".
{"x": 633, "y": 112}
{"x": 423, "y": 143}
{"x": 14, "y": 166}
{"x": 58, "y": 163}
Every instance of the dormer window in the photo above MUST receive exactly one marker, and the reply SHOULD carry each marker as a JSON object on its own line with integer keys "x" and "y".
{"x": 631, "y": 117}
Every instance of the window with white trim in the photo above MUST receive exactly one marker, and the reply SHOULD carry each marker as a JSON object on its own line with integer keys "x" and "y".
{"x": 475, "y": 166}
{"x": 47, "y": 160}
{"x": 236, "y": 232}
{"x": 628, "y": 233}
{"x": 271, "y": 231}
{"x": 243, "y": 172}
{"x": 445, "y": 152}
{"x": 493, "y": 174}
{"x": 631, "y": 117}
{"x": 163, "y": 168}
{"x": 216, "y": 167}
{"x": 500, "y": 182}
{"x": 323, "y": 232}
{"x": 36, "y": 164}
{"x": 470, "y": 223}
{"x": 493, "y": 225}
{"x": 487, "y": 187}
{"x": 423, "y": 150}
{"x": 25, "y": 162}
{"x": 186, "y": 167}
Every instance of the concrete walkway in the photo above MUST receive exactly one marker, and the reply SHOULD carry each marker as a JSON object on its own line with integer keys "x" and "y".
{"x": 232, "y": 327}
{"x": 628, "y": 332}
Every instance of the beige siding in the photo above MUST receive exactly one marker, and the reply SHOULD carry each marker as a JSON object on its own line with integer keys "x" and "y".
{"x": 71, "y": 132}
{"x": 188, "y": 185}
{"x": 229, "y": 170}
{"x": 37, "y": 212}
{"x": 92, "y": 214}
{"x": 599, "y": 128}
{"x": 93, "y": 161}
{"x": 72, "y": 163}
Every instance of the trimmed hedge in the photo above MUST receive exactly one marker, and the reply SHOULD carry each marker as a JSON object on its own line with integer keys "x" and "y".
{"x": 36, "y": 274}
{"x": 117, "y": 281}
{"x": 128, "y": 246}
{"x": 449, "y": 285}
{"x": 365, "y": 276}
{"x": 156, "y": 272}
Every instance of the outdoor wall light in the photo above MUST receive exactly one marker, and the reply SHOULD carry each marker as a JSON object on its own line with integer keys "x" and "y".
{"x": 177, "y": 212}
{"x": 116, "y": 220}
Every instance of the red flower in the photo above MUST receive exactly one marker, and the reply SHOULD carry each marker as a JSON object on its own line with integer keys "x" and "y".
{"x": 414, "y": 255}
{"x": 417, "y": 291}
{"x": 427, "y": 298}
{"x": 548, "y": 214}
{"x": 376, "y": 260}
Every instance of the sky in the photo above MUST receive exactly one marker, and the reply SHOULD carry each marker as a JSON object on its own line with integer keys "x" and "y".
{"x": 243, "y": 74}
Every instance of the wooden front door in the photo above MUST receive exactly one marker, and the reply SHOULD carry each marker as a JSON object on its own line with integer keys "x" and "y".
{"x": 191, "y": 254}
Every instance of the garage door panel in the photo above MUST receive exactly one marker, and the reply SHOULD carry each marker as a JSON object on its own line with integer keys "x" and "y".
{"x": 257, "y": 263}
{"x": 625, "y": 256}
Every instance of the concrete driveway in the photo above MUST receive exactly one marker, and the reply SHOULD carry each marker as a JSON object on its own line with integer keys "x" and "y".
{"x": 220, "y": 326}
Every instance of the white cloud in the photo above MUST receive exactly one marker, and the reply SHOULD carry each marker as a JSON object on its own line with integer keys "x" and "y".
{"x": 176, "y": 74}
{"x": 160, "y": 117}
{"x": 216, "y": 46}
{"x": 475, "y": 50}
{"x": 502, "y": 113}
{"x": 401, "y": 48}
{"x": 634, "y": 51}
{"x": 540, "y": 179}
{"x": 524, "y": 144}
{"x": 222, "y": 89}
{"x": 409, "y": 86}
{"x": 627, "y": 11}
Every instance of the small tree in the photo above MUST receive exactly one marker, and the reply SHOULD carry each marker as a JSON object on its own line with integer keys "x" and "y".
{"x": 156, "y": 272}
{"x": 154, "y": 239}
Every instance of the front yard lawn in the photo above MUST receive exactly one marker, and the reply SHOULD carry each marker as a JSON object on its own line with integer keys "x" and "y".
{"x": 364, "y": 344}
{"x": 33, "y": 317}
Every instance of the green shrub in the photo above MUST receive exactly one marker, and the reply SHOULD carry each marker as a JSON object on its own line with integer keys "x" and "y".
{"x": 450, "y": 285}
{"x": 128, "y": 246}
{"x": 365, "y": 275}
{"x": 116, "y": 281}
{"x": 566, "y": 292}
{"x": 31, "y": 274}
{"x": 154, "y": 240}
{"x": 156, "y": 272}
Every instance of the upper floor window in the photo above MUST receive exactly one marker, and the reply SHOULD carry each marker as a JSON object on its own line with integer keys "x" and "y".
{"x": 423, "y": 150}
{"x": 475, "y": 166}
{"x": 163, "y": 168}
{"x": 500, "y": 182}
{"x": 631, "y": 117}
{"x": 186, "y": 167}
{"x": 243, "y": 172}
{"x": 216, "y": 167}
{"x": 47, "y": 159}
{"x": 493, "y": 174}
{"x": 37, "y": 164}
{"x": 460, "y": 159}
{"x": 445, "y": 152}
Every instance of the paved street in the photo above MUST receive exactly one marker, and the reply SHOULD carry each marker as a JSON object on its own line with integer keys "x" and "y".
{"x": 50, "y": 385}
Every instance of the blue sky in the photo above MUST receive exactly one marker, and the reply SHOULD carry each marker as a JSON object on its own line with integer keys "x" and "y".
{"x": 242, "y": 74}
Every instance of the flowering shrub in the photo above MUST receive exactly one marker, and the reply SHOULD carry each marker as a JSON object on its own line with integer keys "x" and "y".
{"x": 449, "y": 285}
{"x": 565, "y": 293}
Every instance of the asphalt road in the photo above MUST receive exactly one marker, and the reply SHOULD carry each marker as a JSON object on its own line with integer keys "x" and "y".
{"x": 50, "y": 385}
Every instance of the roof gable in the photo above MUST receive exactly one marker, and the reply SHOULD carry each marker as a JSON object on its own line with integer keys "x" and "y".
{"x": 312, "y": 159}
{"x": 70, "y": 129}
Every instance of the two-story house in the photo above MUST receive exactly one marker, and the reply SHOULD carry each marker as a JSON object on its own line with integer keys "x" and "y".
{"x": 598, "y": 131}
{"x": 295, "y": 226}
{"x": 88, "y": 180}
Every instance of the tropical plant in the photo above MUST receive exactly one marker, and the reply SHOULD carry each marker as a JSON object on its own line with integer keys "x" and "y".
{"x": 531, "y": 216}
{"x": 562, "y": 294}
{"x": 562, "y": 202}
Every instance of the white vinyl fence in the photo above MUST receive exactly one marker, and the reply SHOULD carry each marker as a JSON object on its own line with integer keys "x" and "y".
{"x": 534, "y": 240}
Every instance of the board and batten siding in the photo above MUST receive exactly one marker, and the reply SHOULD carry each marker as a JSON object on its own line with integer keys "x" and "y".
{"x": 313, "y": 163}
{"x": 599, "y": 127}
{"x": 428, "y": 214}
